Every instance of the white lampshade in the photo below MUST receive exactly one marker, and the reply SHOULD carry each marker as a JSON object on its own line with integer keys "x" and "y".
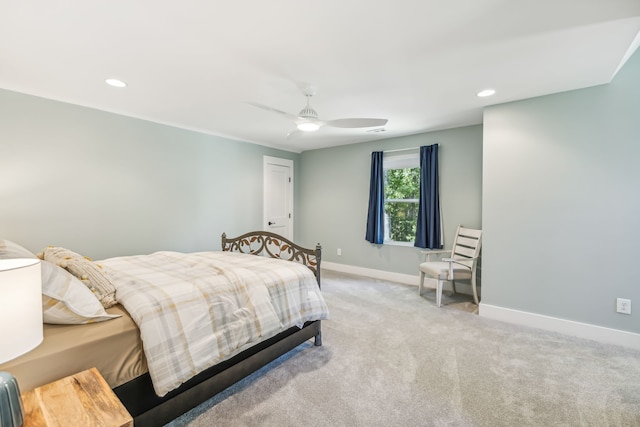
{"x": 20, "y": 307}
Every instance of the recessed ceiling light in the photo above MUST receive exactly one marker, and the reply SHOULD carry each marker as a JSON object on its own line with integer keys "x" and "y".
{"x": 115, "y": 83}
{"x": 486, "y": 92}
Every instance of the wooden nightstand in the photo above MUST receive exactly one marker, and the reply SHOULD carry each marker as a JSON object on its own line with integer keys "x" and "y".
{"x": 83, "y": 399}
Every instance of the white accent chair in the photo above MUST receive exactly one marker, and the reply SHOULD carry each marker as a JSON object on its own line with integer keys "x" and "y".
{"x": 461, "y": 265}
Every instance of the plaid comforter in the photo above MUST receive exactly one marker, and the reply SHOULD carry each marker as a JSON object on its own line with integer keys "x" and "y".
{"x": 195, "y": 310}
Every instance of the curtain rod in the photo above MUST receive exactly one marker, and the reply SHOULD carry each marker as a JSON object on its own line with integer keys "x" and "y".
{"x": 403, "y": 149}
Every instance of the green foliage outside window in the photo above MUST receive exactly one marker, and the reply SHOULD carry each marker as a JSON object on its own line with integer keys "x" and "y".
{"x": 401, "y": 194}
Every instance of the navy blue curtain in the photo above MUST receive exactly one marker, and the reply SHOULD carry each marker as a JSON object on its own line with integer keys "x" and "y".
{"x": 428, "y": 230}
{"x": 375, "y": 215}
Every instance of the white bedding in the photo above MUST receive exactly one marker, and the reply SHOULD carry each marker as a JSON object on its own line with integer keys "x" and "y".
{"x": 195, "y": 310}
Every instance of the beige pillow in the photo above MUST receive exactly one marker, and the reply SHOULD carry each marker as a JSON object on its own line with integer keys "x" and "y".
{"x": 92, "y": 274}
{"x": 66, "y": 300}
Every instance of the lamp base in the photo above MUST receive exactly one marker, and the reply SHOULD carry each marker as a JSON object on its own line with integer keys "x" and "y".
{"x": 11, "y": 412}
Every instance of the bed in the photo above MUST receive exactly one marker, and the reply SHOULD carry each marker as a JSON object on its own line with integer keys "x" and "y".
{"x": 119, "y": 346}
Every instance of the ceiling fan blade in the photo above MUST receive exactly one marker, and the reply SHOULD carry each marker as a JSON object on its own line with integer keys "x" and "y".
{"x": 274, "y": 110}
{"x": 356, "y": 123}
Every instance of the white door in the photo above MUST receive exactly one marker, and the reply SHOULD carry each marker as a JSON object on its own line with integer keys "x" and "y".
{"x": 278, "y": 196}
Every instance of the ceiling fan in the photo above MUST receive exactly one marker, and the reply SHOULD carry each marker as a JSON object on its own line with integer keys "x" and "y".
{"x": 307, "y": 119}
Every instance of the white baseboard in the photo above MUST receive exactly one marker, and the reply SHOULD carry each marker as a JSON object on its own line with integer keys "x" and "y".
{"x": 563, "y": 326}
{"x": 553, "y": 324}
{"x": 406, "y": 279}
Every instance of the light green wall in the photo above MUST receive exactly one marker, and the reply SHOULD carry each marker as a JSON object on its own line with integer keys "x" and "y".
{"x": 335, "y": 192}
{"x": 561, "y": 203}
{"x": 104, "y": 184}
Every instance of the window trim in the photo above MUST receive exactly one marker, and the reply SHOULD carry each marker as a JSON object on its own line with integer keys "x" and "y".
{"x": 399, "y": 161}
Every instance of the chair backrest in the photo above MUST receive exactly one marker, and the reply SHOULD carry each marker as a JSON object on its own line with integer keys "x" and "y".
{"x": 466, "y": 245}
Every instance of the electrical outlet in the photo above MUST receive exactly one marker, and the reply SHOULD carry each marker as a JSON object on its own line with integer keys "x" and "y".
{"x": 339, "y": 252}
{"x": 623, "y": 306}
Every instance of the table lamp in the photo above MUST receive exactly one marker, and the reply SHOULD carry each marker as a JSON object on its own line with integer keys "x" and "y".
{"x": 20, "y": 327}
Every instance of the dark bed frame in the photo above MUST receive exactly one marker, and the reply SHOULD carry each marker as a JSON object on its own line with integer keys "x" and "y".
{"x": 138, "y": 395}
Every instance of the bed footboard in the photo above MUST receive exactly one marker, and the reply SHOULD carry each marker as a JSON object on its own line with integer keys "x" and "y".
{"x": 273, "y": 245}
{"x": 270, "y": 244}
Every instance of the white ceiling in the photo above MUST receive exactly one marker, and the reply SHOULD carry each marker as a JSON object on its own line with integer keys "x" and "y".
{"x": 198, "y": 64}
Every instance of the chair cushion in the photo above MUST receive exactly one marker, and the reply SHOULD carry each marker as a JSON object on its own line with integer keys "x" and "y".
{"x": 440, "y": 270}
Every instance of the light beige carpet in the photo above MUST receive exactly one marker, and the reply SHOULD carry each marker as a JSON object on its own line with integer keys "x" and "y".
{"x": 391, "y": 358}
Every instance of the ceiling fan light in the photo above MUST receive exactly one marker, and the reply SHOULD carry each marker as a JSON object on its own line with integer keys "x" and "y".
{"x": 308, "y": 126}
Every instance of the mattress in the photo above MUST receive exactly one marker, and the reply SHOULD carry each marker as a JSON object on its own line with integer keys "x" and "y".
{"x": 113, "y": 347}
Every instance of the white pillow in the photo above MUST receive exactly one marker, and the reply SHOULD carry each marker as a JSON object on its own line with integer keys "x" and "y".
{"x": 10, "y": 250}
{"x": 66, "y": 300}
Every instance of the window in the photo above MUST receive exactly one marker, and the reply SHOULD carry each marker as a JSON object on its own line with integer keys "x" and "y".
{"x": 400, "y": 179}
{"x": 401, "y": 197}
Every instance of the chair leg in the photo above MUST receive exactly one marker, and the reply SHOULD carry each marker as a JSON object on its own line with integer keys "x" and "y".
{"x": 453, "y": 285}
{"x": 421, "y": 284}
{"x": 439, "y": 293}
{"x": 473, "y": 287}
